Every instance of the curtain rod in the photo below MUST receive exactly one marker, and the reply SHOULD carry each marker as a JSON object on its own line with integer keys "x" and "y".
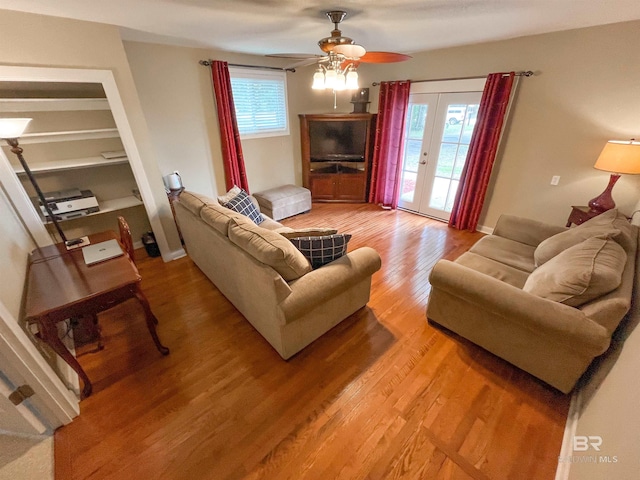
{"x": 527, "y": 73}
{"x": 207, "y": 63}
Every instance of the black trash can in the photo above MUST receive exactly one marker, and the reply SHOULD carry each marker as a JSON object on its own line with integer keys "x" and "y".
{"x": 150, "y": 244}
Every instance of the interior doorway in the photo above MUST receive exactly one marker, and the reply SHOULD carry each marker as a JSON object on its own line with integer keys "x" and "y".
{"x": 439, "y": 126}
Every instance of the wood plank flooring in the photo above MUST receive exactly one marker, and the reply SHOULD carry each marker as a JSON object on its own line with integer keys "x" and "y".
{"x": 384, "y": 395}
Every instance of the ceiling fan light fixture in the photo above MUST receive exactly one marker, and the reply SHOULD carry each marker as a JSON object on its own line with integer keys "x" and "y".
{"x": 341, "y": 82}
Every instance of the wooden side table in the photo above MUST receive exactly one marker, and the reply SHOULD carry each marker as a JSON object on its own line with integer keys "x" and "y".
{"x": 172, "y": 195}
{"x": 580, "y": 214}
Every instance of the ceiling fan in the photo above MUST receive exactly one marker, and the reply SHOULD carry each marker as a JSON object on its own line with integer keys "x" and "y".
{"x": 347, "y": 46}
{"x": 337, "y": 69}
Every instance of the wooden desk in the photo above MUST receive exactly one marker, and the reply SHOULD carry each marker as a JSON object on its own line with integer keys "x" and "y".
{"x": 60, "y": 286}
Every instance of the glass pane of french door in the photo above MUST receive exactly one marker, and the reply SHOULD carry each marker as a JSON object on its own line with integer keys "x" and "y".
{"x": 457, "y": 128}
{"x": 435, "y": 157}
{"x": 420, "y": 118}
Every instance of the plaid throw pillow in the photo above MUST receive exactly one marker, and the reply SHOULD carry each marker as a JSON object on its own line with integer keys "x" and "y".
{"x": 241, "y": 203}
{"x": 322, "y": 250}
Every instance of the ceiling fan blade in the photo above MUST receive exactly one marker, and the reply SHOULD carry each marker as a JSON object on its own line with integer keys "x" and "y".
{"x": 383, "y": 57}
{"x": 304, "y": 63}
{"x": 294, "y": 56}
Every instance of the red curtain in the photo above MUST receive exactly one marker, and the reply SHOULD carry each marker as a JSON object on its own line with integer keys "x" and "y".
{"x": 482, "y": 152}
{"x": 234, "y": 171}
{"x": 389, "y": 139}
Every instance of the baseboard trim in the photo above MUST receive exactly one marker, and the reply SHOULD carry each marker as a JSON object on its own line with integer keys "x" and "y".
{"x": 563, "y": 469}
{"x": 484, "y": 229}
{"x": 174, "y": 255}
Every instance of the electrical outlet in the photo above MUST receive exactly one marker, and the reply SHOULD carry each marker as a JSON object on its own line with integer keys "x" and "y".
{"x": 555, "y": 180}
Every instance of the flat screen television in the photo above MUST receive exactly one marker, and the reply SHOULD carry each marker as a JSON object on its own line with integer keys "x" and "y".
{"x": 336, "y": 141}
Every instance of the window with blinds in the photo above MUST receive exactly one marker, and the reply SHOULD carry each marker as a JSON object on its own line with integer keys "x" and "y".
{"x": 260, "y": 98}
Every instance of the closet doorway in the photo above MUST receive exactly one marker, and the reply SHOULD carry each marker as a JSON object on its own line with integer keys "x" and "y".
{"x": 439, "y": 125}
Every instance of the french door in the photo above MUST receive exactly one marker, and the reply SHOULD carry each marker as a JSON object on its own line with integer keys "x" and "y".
{"x": 438, "y": 132}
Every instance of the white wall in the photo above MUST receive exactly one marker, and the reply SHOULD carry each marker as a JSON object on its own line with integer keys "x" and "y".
{"x": 177, "y": 98}
{"x": 15, "y": 245}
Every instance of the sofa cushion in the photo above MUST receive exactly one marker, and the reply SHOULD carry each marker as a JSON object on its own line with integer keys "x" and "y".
{"x": 219, "y": 217}
{"x": 306, "y": 232}
{"x": 269, "y": 248}
{"x": 322, "y": 250}
{"x": 515, "y": 254}
{"x": 241, "y": 203}
{"x": 194, "y": 202}
{"x": 497, "y": 270}
{"x": 602, "y": 225}
{"x": 227, "y": 197}
{"x": 581, "y": 273}
{"x": 270, "y": 224}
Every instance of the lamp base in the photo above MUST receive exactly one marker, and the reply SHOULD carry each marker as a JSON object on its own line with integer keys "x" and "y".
{"x": 604, "y": 201}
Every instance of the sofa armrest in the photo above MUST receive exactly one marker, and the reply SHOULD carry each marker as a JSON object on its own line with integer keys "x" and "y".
{"x": 525, "y": 230}
{"x": 326, "y": 282}
{"x": 560, "y": 323}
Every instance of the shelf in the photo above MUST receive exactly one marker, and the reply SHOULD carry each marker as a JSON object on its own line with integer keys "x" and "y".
{"x": 52, "y": 104}
{"x": 67, "y": 136}
{"x": 71, "y": 164}
{"x": 109, "y": 206}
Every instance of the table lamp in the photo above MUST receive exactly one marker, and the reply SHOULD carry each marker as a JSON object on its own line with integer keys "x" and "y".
{"x": 617, "y": 157}
{"x": 10, "y": 130}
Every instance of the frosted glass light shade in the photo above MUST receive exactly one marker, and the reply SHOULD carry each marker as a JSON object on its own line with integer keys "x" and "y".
{"x": 620, "y": 156}
{"x": 341, "y": 82}
{"x": 352, "y": 80}
{"x": 330, "y": 79}
{"x": 318, "y": 81}
{"x": 13, "y": 127}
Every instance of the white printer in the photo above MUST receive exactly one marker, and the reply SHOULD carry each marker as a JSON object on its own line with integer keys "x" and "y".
{"x": 68, "y": 204}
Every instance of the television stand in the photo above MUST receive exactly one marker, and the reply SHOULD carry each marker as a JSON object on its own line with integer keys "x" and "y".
{"x": 336, "y": 155}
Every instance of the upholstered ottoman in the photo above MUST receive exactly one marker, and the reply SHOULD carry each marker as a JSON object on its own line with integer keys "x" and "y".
{"x": 285, "y": 201}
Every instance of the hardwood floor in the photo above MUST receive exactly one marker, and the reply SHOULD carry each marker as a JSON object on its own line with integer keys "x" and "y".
{"x": 382, "y": 395}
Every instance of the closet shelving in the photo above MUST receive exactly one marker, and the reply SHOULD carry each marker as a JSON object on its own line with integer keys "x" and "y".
{"x": 89, "y": 169}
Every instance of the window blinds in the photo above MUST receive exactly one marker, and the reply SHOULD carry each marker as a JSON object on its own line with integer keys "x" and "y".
{"x": 260, "y": 102}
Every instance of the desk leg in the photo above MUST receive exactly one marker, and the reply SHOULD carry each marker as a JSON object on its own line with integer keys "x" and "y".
{"x": 49, "y": 334}
{"x": 151, "y": 320}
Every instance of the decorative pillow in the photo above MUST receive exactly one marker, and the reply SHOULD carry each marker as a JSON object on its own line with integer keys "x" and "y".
{"x": 306, "y": 232}
{"x": 602, "y": 225}
{"x": 269, "y": 248}
{"x": 241, "y": 203}
{"x": 227, "y": 197}
{"x": 322, "y": 250}
{"x": 581, "y": 273}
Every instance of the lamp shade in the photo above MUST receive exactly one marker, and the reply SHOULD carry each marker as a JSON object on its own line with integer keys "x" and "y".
{"x": 13, "y": 127}
{"x": 620, "y": 156}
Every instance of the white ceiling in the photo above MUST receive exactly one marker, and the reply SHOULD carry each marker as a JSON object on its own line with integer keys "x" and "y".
{"x": 295, "y": 26}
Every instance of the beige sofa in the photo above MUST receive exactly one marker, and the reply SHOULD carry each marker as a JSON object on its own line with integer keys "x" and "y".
{"x": 546, "y": 299}
{"x": 267, "y": 279}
